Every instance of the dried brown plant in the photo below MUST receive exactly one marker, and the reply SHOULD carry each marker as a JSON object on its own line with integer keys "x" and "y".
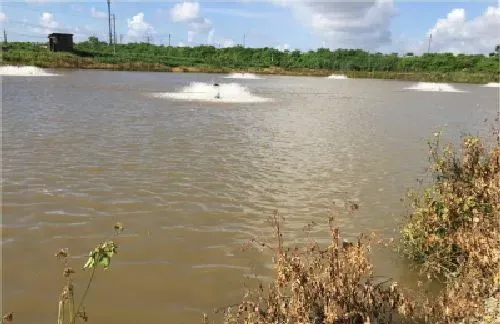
{"x": 322, "y": 285}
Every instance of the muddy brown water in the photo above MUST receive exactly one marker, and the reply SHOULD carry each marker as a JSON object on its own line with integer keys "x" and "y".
{"x": 193, "y": 181}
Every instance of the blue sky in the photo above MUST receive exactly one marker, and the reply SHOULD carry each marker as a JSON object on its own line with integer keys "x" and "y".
{"x": 375, "y": 25}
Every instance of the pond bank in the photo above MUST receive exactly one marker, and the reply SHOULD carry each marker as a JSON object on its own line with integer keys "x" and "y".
{"x": 86, "y": 63}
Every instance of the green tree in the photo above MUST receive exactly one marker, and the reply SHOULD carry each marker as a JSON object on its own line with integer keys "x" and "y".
{"x": 93, "y": 40}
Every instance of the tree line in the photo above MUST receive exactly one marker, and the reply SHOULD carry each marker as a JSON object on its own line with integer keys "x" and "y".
{"x": 243, "y": 57}
{"x": 323, "y": 58}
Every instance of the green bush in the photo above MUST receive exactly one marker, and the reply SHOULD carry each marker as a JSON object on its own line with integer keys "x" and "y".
{"x": 453, "y": 232}
{"x": 240, "y": 57}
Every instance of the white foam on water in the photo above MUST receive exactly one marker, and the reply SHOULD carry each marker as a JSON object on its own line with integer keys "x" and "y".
{"x": 243, "y": 76}
{"x": 337, "y": 77}
{"x": 492, "y": 85}
{"x": 6, "y": 241}
{"x": 24, "y": 71}
{"x": 201, "y": 91}
{"x": 433, "y": 87}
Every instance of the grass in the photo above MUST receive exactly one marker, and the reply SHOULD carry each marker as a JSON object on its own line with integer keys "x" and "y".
{"x": 454, "y": 77}
{"x": 45, "y": 59}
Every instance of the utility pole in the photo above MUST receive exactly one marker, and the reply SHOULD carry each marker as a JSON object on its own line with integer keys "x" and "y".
{"x": 429, "y": 48}
{"x": 168, "y": 40}
{"x": 4, "y": 36}
{"x": 114, "y": 29}
{"x": 244, "y": 39}
{"x": 109, "y": 23}
{"x": 114, "y": 35}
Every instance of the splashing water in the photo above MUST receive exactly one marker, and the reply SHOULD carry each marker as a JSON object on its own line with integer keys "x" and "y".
{"x": 242, "y": 76}
{"x": 433, "y": 87}
{"x": 337, "y": 77}
{"x": 24, "y": 71}
{"x": 492, "y": 85}
{"x": 201, "y": 91}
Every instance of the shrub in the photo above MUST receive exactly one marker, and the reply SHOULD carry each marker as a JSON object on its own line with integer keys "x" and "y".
{"x": 314, "y": 285}
{"x": 463, "y": 202}
{"x": 454, "y": 229}
{"x": 452, "y": 234}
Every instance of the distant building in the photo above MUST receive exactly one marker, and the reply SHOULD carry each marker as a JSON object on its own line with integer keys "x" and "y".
{"x": 59, "y": 42}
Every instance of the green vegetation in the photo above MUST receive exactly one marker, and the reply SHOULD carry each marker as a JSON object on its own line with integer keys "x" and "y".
{"x": 355, "y": 62}
{"x": 100, "y": 256}
{"x": 464, "y": 196}
{"x": 453, "y": 232}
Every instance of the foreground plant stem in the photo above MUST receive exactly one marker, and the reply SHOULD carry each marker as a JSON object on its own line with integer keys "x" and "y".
{"x": 84, "y": 295}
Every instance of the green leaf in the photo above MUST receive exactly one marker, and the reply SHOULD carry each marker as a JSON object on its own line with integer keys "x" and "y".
{"x": 105, "y": 262}
{"x": 89, "y": 263}
{"x": 101, "y": 255}
{"x": 119, "y": 227}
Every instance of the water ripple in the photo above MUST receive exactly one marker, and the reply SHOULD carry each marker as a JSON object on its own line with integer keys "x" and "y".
{"x": 77, "y": 157}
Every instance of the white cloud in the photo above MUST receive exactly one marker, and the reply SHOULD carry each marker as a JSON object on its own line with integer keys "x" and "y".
{"x": 48, "y": 24}
{"x": 3, "y": 17}
{"x": 185, "y": 11}
{"x": 201, "y": 25}
{"x": 82, "y": 33}
{"x": 189, "y": 12}
{"x": 283, "y": 47}
{"x": 456, "y": 34}
{"x": 346, "y": 24}
{"x": 98, "y": 14}
{"x": 400, "y": 44}
{"x": 228, "y": 43}
{"x": 47, "y": 20}
{"x": 181, "y": 44}
{"x": 210, "y": 37}
{"x": 240, "y": 13}
{"x": 138, "y": 27}
{"x": 190, "y": 37}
